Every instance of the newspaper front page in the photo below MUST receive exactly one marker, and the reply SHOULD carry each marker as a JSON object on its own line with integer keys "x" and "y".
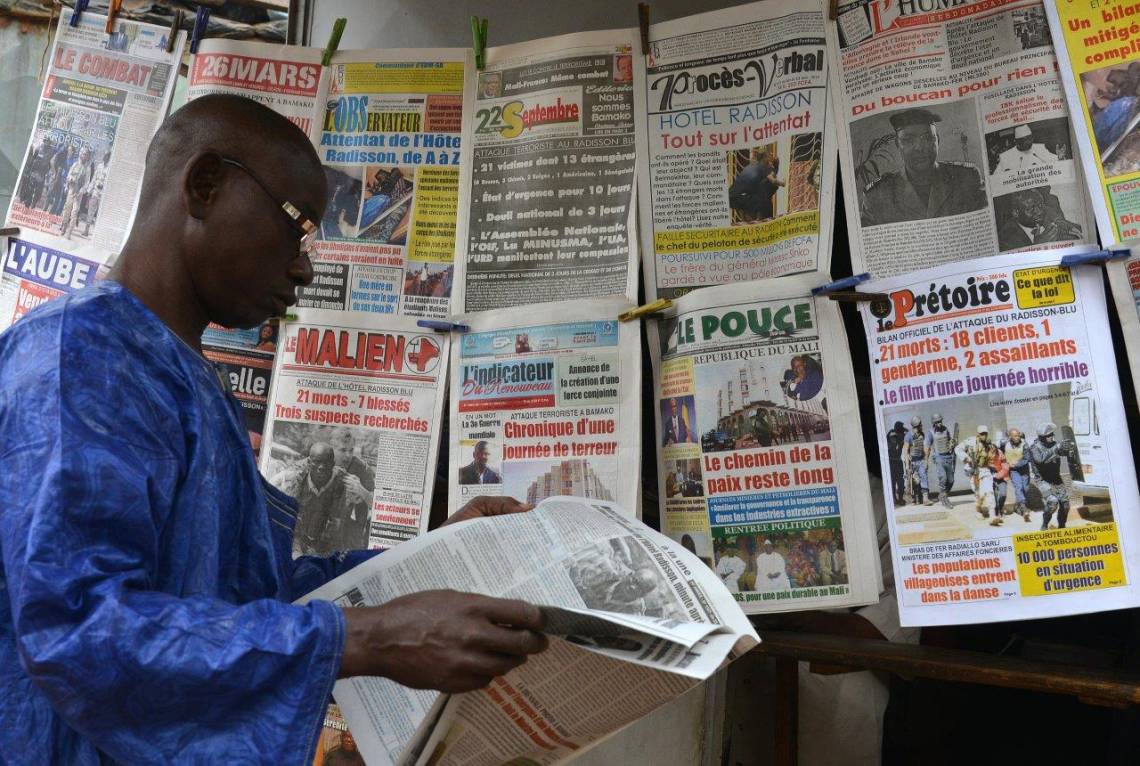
{"x": 545, "y": 400}
{"x": 1100, "y": 67}
{"x": 1003, "y": 435}
{"x": 621, "y": 598}
{"x": 103, "y": 99}
{"x": 550, "y": 207}
{"x": 352, "y": 431}
{"x": 740, "y": 178}
{"x": 957, "y": 142}
{"x": 760, "y": 463}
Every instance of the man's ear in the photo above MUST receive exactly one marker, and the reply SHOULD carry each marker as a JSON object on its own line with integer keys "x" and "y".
{"x": 201, "y": 184}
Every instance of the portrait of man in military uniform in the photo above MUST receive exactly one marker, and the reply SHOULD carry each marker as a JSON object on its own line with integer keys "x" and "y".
{"x": 924, "y": 187}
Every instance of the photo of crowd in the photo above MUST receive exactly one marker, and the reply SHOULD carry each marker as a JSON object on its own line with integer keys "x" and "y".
{"x": 1112, "y": 94}
{"x": 329, "y": 472}
{"x": 618, "y": 575}
{"x": 683, "y": 478}
{"x": 427, "y": 279}
{"x": 782, "y": 560}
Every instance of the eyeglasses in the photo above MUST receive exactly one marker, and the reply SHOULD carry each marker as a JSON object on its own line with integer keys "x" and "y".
{"x": 305, "y": 227}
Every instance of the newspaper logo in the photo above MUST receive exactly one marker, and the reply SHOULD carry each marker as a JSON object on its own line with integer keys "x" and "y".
{"x": 422, "y": 354}
{"x": 513, "y": 118}
{"x": 975, "y": 296}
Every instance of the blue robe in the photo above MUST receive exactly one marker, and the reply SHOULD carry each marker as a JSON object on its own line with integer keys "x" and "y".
{"x": 145, "y": 567}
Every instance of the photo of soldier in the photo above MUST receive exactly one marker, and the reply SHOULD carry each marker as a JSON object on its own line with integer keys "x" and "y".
{"x": 941, "y": 443}
{"x": 1016, "y": 454}
{"x": 927, "y": 184}
{"x": 915, "y": 453}
{"x": 1045, "y": 458}
{"x": 896, "y": 442}
{"x": 1036, "y": 216}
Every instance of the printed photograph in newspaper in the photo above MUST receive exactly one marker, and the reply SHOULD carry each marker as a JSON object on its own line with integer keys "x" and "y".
{"x": 1002, "y": 434}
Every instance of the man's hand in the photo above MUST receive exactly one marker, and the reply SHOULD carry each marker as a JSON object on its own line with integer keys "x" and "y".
{"x": 488, "y": 506}
{"x": 354, "y": 490}
{"x": 441, "y": 639}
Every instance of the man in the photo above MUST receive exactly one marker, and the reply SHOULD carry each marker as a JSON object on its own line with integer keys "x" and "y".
{"x": 78, "y": 177}
{"x": 676, "y": 426}
{"x": 729, "y": 567}
{"x": 915, "y": 453}
{"x": 771, "y": 570}
{"x": 344, "y": 754}
{"x": 804, "y": 379}
{"x": 1045, "y": 458}
{"x": 980, "y": 461}
{"x": 940, "y": 443}
{"x": 895, "y": 442}
{"x": 752, "y": 189}
{"x": 1024, "y": 154}
{"x": 1016, "y": 455}
{"x": 925, "y": 187}
{"x": 477, "y": 471}
{"x": 1032, "y": 221}
{"x": 332, "y": 503}
{"x": 344, "y": 444}
{"x": 146, "y": 576}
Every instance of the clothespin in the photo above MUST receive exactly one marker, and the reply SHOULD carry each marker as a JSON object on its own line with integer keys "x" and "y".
{"x": 12, "y": 231}
{"x": 643, "y": 24}
{"x": 175, "y": 28}
{"x": 334, "y": 41}
{"x": 201, "y": 19}
{"x": 80, "y": 7}
{"x": 656, "y": 307}
{"x": 479, "y": 41}
{"x": 113, "y": 8}
{"x": 1095, "y": 257}
{"x": 442, "y": 325}
{"x": 833, "y": 9}
{"x": 842, "y": 290}
{"x": 288, "y": 316}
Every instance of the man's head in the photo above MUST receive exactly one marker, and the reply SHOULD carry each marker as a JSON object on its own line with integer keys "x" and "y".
{"x": 936, "y": 422}
{"x": 831, "y": 546}
{"x": 673, "y": 407}
{"x": 768, "y": 547}
{"x": 1028, "y": 208}
{"x": 481, "y": 454}
{"x": 916, "y": 422}
{"x": 322, "y": 459}
{"x": 636, "y": 584}
{"x": 344, "y": 443}
{"x": 347, "y": 742}
{"x": 1045, "y": 432}
{"x": 799, "y": 366}
{"x": 916, "y": 138}
{"x": 85, "y": 155}
{"x": 222, "y": 174}
{"x": 899, "y": 427}
{"x": 983, "y": 434}
{"x": 1023, "y": 138}
{"x": 1015, "y": 436}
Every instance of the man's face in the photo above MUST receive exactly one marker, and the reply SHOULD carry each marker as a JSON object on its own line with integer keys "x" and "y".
{"x": 347, "y": 742}
{"x": 1028, "y": 210}
{"x": 798, "y": 367}
{"x": 481, "y": 455}
{"x": 321, "y": 462}
{"x": 673, "y": 407}
{"x": 768, "y": 547}
{"x": 918, "y": 145}
{"x": 249, "y": 264}
{"x": 344, "y": 443}
{"x": 983, "y": 438}
{"x": 1024, "y": 143}
{"x": 1015, "y": 436}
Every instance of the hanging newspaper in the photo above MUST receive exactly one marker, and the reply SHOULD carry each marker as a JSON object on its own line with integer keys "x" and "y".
{"x": 352, "y": 431}
{"x": 956, "y": 131}
{"x": 1004, "y": 437}
{"x": 1100, "y": 67}
{"x": 740, "y": 141}
{"x": 387, "y": 127}
{"x": 628, "y": 608}
{"x": 760, "y": 467}
{"x": 1124, "y": 279}
{"x": 543, "y": 407}
{"x": 103, "y": 99}
{"x": 245, "y": 357}
{"x": 549, "y": 209}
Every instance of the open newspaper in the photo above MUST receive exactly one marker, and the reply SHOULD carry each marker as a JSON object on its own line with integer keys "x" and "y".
{"x": 352, "y": 432}
{"x": 546, "y": 400}
{"x": 1003, "y": 435}
{"x": 387, "y": 125}
{"x": 739, "y": 137}
{"x": 103, "y": 98}
{"x": 549, "y": 210}
{"x": 1100, "y": 67}
{"x": 955, "y": 131}
{"x": 636, "y": 620}
{"x": 760, "y": 462}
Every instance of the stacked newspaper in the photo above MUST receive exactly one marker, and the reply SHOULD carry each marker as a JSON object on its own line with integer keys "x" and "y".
{"x": 635, "y": 618}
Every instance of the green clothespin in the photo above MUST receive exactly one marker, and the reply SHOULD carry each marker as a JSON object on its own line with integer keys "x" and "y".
{"x": 334, "y": 41}
{"x": 479, "y": 41}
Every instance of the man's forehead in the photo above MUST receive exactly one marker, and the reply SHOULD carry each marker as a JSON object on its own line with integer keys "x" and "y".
{"x": 916, "y": 130}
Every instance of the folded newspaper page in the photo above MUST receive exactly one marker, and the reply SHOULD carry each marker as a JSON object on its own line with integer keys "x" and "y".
{"x": 761, "y": 471}
{"x": 739, "y": 181}
{"x": 387, "y": 125}
{"x": 1124, "y": 279}
{"x": 549, "y": 210}
{"x": 1100, "y": 67}
{"x": 1004, "y": 439}
{"x": 637, "y": 620}
{"x": 103, "y": 98}
{"x": 546, "y": 400}
{"x": 245, "y": 357}
{"x": 352, "y": 432}
{"x": 955, "y": 130}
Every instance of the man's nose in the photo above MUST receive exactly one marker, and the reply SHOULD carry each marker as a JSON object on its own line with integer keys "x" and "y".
{"x": 301, "y": 270}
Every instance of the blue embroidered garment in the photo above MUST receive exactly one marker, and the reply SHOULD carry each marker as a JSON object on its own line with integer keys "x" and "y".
{"x": 145, "y": 568}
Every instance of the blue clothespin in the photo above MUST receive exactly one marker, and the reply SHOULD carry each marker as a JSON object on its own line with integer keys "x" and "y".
{"x": 843, "y": 290}
{"x": 1096, "y": 256}
{"x": 479, "y": 41}
{"x": 334, "y": 41}
{"x": 201, "y": 19}
{"x": 442, "y": 325}
{"x": 80, "y": 7}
